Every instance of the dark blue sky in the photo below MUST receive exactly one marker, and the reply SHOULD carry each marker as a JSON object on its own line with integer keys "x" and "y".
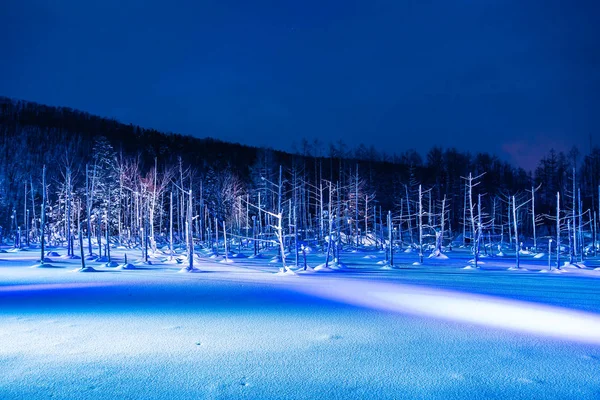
{"x": 511, "y": 77}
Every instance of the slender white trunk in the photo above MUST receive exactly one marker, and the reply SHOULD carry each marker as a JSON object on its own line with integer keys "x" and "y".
{"x": 533, "y": 217}
{"x": 43, "y": 218}
{"x": 171, "y": 250}
{"x": 558, "y": 230}
{"x": 420, "y": 225}
{"x": 390, "y": 238}
{"x": 225, "y": 242}
{"x": 514, "y": 213}
{"x": 574, "y": 221}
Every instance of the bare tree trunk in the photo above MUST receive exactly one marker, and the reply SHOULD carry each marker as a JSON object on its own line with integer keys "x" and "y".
{"x": 171, "y": 250}
{"x": 479, "y": 228}
{"x": 533, "y": 217}
{"x": 225, "y": 242}
{"x": 121, "y": 216}
{"x": 321, "y": 218}
{"x": 338, "y": 236}
{"x": 508, "y": 210}
{"x": 89, "y": 193}
{"x": 409, "y": 216}
{"x": 574, "y": 219}
{"x": 471, "y": 209}
{"x": 420, "y": 225}
{"x": 571, "y": 244}
{"x": 190, "y": 238}
{"x": 595, "y": 236}
{"x": 81, "y": 248}
{"x": 440, "y": 238}
{"x": 465, "y": 219}
{"x": 330, "y": 221}
{"x": 517, "y": 254}
{"x": 558, "y": 230}
{"x": 580, "y": 235}
{"x": 153, "y": 208}
{"x": 68, "y": 206}
{"x": 34, "y": 219}
{"x": 356, "y": 207}
{"x": 390, "y": 238}
{"x": 216, "y": 237}
{"x": 99, "y": 233}
{"x": 43, "y": 218}
{"x": 280, "y": 220}
{"x": 25, "y": 215}
{"x": 366, "y": 232}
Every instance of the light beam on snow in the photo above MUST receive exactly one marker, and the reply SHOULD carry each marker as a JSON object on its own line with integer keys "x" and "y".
{"x": 51, "y": 286}
{"x": 481, "y": 310}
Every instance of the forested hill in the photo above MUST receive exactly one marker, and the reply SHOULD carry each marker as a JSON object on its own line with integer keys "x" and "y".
{"x": 33, "y": 135}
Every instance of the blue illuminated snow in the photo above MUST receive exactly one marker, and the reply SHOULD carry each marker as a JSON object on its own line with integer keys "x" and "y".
{"x": 238, "y": 330}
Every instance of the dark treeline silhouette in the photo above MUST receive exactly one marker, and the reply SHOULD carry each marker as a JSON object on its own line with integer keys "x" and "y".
{"x": 33, "y": 135}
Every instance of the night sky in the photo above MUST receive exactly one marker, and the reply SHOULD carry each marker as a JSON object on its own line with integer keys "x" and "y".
{"x": 514, "y": 77}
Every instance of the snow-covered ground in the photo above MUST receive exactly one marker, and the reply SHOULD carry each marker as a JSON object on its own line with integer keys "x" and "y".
{"x": 239, "y": 330}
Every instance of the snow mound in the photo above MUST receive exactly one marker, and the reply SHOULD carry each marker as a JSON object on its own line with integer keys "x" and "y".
{"x": 440, "y": 256}
{"x": 125, "y": 266}
{"x": 323, "y": 267}
{"x": 142, "y": 262}
{"x": 86, "y": 269}
{"x": 44, "y": 265}
{"x": 338, "y": 265}
{"x": 186, "y": 270}
{"x": 539, "y": 255}
{"x": 111, "y": 264}
{"x": 287, "y": 272}
{"x": 568, "y": 265}
{"x": 15, "y": 250}
{"x": 308, "y": 270}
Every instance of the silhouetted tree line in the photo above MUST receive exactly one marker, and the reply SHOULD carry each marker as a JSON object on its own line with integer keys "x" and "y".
{"x": 33, "y": 135}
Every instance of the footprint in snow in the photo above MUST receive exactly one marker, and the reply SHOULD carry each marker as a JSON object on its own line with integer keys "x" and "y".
{"x": 331, "y": 337}
{"x": 172, "y": 328}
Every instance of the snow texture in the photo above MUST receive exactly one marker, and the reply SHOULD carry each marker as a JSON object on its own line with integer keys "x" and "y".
{"x": 247, "y": 330}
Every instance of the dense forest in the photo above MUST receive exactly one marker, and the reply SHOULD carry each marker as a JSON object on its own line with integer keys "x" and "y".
{"x": 71, "y": 172}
